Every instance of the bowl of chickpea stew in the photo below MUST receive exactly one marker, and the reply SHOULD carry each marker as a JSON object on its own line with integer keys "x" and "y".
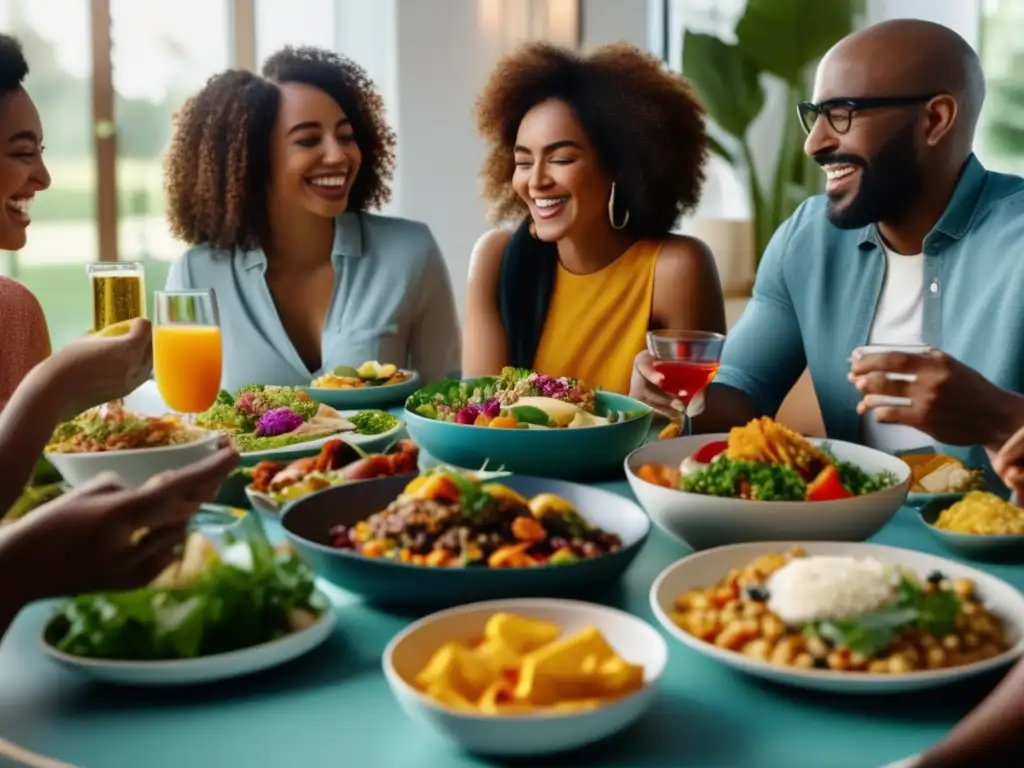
{"x": 444, "y": 539}
{"x": 903, "y": 620}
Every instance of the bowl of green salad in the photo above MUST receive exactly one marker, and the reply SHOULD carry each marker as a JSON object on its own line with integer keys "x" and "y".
{"x": 270, "y": 423}
{"x": 713, "y": 490}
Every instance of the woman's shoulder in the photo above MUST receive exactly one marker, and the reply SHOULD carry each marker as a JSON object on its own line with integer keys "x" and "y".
{"x": 395, "y": 230}
{"x": 681, "y": 256}
{"x": 16, "y": 298}
{"x": 489, "y": 249}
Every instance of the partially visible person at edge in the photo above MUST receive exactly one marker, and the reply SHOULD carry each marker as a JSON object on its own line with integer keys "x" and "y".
{"x": 914, "y": 242}
{"x": 992, "y": 735}
{"x": 270, "y": 178}
{"x": 26, "y": 339}
{"x": 87, "y": 540}
{"x": 595, "y": 158}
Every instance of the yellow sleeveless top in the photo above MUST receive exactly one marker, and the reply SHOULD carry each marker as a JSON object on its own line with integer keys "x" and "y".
{"x": 597, "y": 323}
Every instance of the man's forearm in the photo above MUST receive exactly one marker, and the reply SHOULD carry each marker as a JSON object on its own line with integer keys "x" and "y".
{"x": 725, "y": 407}
{"x": 991, "y": 735}
{"x": 26, "y": 424}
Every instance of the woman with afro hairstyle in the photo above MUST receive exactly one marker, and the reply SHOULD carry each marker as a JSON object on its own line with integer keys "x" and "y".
{"x": 595, "y": 158}
{"x": 269, "y": 179}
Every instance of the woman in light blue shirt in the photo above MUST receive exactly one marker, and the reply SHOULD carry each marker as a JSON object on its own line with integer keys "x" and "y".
{"x": 270, "y": 179}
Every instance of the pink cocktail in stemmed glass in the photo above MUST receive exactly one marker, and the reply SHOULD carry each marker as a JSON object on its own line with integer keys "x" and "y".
{"x": 685, "y": 362}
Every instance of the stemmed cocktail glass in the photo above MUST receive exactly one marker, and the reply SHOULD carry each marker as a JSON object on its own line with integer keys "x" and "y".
{"x": 684, "y": 364}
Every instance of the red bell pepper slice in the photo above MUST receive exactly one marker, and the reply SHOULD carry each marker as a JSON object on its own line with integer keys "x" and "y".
{"x": 708, "y": 451}
{"x": 826, "y": 486}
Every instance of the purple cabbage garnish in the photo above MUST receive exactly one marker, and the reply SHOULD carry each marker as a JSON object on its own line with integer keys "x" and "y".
{"x": 279, "y": 421}
{"x": 492, "y": 408}
{"x": 550, "y": 387}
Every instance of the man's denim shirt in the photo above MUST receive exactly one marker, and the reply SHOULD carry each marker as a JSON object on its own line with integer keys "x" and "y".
{"x": 818, "y": 287}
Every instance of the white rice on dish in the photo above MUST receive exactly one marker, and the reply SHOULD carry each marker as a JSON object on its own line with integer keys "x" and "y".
{"x": 824, "y": 587}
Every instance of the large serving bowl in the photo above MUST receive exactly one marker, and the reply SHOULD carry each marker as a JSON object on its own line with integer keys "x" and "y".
{"x": 568, "y": 454}
{"x": 307, "y": 521}
{"x": 702, "y": 569}
{"x": 366, "y": 397}
{"x": 524, "y": 735}
{"x": 133, "y": 466}
{"x": 711, "y": 521}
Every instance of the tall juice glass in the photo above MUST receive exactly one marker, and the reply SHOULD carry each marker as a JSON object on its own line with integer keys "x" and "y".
{"x": 118, "y": 292}
{"x": 187, "y": 349}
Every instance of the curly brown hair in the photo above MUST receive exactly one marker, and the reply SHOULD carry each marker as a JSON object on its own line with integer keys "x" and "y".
{"x": 217, "y": 170}
{"x": 644, "y": 121}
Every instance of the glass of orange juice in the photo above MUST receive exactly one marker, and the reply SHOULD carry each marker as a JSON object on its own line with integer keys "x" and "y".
{"x": 187, "y": 349}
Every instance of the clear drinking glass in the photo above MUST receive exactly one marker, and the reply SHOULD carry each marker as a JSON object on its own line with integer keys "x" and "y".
{"x": 187, "y": 351}
{"x": 118, "y": 292}
{"x": 685, "y": 362}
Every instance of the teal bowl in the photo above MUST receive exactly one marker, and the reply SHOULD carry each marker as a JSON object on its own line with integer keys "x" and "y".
{"x": 970, "y": 545}
{"x": 920, "y": 500}
{"x": 307, "y": 521}
{"x": 568, "y": 454}
{"x": 365, "y": 397}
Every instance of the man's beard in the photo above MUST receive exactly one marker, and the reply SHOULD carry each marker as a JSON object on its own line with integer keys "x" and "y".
{"x": 889, "y": 184}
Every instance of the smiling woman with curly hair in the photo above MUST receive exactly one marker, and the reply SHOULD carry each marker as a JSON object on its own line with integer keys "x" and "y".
{"x": 594, "y": 157}
{"x": 270, "y": 178}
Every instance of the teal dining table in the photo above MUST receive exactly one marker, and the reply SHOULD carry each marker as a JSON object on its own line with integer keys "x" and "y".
{"x": 334, "y": 708}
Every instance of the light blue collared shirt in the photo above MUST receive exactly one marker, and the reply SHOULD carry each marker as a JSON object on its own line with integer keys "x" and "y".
{"x": 818, "y": 287}
{"x": 392, "y": 302}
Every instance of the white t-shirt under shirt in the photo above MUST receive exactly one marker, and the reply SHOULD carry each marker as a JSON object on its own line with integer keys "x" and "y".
{"x": 899, "y": 319}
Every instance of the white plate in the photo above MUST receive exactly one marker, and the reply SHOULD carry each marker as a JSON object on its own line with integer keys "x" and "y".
{"x": 524, "y": 735}
{"x": 705, "y": 568}
{"x": 206, "y": 669}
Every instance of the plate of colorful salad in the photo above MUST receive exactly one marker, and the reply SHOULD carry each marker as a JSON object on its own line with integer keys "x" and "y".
{"x": 212, "y": 615}
{"x": 765, "y": 482}
{"x": 275, "y": 484}
{"x": 370, "y": 385}
{"x": 448, "y": 536}
{"x": 270, "y": 423}
{"x": 528, "y": 423}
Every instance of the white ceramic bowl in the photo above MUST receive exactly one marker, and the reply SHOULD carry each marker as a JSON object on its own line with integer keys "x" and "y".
{"x": 711, "y": 521}
{"x": 524, "y": 735}
{"x": 705, "y": 568}
{"x": 205, "y": 669}
{"x": 134, "y": 466}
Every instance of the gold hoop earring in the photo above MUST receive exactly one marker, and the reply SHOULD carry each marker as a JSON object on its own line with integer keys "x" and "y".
{"x": 611, "y": 212}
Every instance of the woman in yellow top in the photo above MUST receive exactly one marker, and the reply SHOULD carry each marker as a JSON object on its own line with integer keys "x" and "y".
{"x": 596, "y": 158}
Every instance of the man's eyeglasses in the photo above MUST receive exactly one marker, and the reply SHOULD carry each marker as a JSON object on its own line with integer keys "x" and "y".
{"x": 839, "y": 112}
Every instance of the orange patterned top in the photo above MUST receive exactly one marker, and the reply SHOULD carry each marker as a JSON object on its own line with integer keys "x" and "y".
{"x": 26, "y": 339}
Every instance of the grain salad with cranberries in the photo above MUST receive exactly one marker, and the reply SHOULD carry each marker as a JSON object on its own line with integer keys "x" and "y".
{"x": 447, "y": 518}
{"x": 843, "y": 614}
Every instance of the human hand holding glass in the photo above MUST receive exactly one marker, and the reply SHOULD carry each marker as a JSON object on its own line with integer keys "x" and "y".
{"x": 187, "y": 351}
{"x": 683, "y": 364}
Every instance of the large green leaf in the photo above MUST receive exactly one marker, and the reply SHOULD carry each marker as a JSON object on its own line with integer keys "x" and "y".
{"x": 784, "y": 36}
{"x": 724, "y": 80}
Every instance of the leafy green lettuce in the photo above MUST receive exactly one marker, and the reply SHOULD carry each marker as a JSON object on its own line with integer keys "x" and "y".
{"x": 226, "y": 609}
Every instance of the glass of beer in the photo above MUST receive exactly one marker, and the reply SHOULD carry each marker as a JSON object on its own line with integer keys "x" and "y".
{"x": 187, "y": 349}
{"x": 118, "y": 292}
